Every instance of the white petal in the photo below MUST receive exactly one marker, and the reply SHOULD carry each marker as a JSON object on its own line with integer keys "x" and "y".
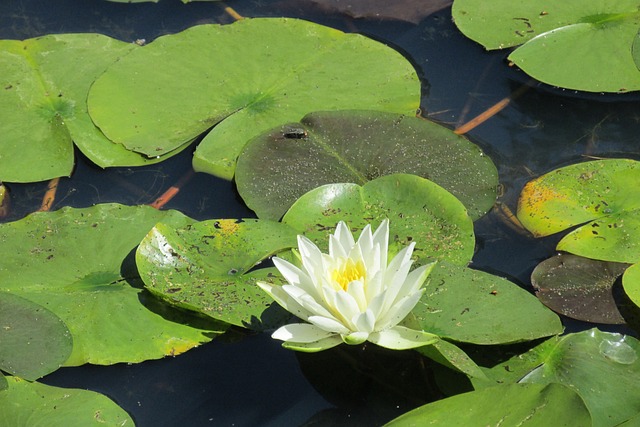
{"x": 346, "y": 305}
{"x": 285, "y": 300}
{"x": 300, "y": 332}
{"x": 381, "y": 239}
{"x": 364, "y": 322}
{"x": 306, "y": 301}
{"x": 311, "y": 258}
{"x": 401, "y": 338}
{"x": 295, "y": 276}
{"x": 344, "y": 236}
{"x": 313, "y": 347}
{"x": 328, "y": 324}
{"x": 365, "y": 241}
{"x": 355, "y": 338}
{"x": 356, "y": 290}
{"x": 374, "y": 286}
{"x": 401, "y": 258}
{"x": 336, "y": 250}
{"x": 398, "y": 311}
{"x": 415, "y": 280}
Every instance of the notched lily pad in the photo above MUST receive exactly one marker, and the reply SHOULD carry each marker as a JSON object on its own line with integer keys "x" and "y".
{"x": 418, "y": 210}
{"x": 43, "y": 90}
{"x": 207, "y": 267}
{"x": 35, "y": 342}
{"x": 244, "y": 78}
{"x": 580, "y": 288}
{"x": 280, "y": 165}
{"x": 602, "y": 367}
{"x": 26, "y": 403}
{"x": 513, "y": 405}
{"x": 603, "y": 195}
{"x": 572, "y": 44}
{"x": 71, "y": 262}
{"x": 472, "y": 306}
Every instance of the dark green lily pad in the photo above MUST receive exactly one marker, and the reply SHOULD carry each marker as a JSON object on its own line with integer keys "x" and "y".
{"x": 572, "y": 44}
{"x": 280, "y": 165}
{"x": 580, "y": 288}
{"x": 603, "y": 368}
{"x": 418, "y": 210}
{"x": 244, "y": 78}
{"x": 43, "y": 91}
{"x": 508, "y": 405}
{"x": 71, "y": 262}
{"x": 35, "y": 342}
{"x": 472, "y": 306}
{"x": 206, "y": 267}
{"x": 33, "y": 404}
{"x": 603, "y": 195}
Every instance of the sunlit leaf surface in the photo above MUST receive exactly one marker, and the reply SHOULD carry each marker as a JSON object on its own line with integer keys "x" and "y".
{"x": 418, "y": 211}
{"x": 207, "y": 266}
{"x": 43, "y": 90}
{"x": 472, "y": 306}
{"x": 575, "y": 44}
{"x": 282, "y": 164}
{"x": 71, "y": 261}
{"x": 513, "y": 405}
{"x": 244, "y": 78}
{"x": 35, "y": 404}
{"x": 602, "y": 367}
{"x": 603, "y": 195}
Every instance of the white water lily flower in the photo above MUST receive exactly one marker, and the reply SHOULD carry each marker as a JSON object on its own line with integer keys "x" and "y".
{"x": 350, "y": 295}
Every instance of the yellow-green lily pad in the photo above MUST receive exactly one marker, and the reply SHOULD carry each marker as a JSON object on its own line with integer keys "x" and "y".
{"x": 243, "y": 78}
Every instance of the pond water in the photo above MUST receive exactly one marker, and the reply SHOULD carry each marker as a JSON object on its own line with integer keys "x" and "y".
{"x": 242, "y": 379}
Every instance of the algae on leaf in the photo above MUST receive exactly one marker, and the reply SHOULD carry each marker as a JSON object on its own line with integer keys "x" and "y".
{"x": 243, "y": 78}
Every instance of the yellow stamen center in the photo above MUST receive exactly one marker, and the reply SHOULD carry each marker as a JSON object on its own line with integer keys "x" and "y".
{"x": 348, "y": 272}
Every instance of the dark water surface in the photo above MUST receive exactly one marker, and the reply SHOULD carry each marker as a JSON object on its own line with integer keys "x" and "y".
{"x": 248, "y": 380}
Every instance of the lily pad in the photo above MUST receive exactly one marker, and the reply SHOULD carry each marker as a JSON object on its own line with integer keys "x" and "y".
{"x": 601, "y": 367}
{"x": 572, "y": 44}
{"x": 631, "y": 283}
{"x": 580, "y": 288}
{"x": 510, "y": 405}
{"x": 33, "y": 404}
{"x": 418, "y": 210}
{"x": 71, "y": 262}
{"x": 244, "y": 78}
{"x": 43, "y": 91}
{"x": 602, "y": 194}
{"x": 475, "y": 307}
{"x": 35, "y": 342}
{"x": 453, "y": 357}
{"x": 206, "y": 267}
{"x": 282, "y": 164}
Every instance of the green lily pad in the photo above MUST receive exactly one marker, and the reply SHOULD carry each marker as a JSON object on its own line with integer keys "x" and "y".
{"x": 602, "y": 367}
{"x": 418, "y": 210}
{"x": 71, "y": 262}
{"x": 509, "y": 405}
{"x": 453, "y": 357}
{"x": 43, "y": 91}
{"x": 244, "y": 78}
{"x": 206, "y": 267}
{"x": 32, "y": 404}
{"x": 580, "y": 288}
{"x": 282, "y": 164}
{"x": 602, "y": 194}
{"x": 475, "y": 307}
{"x": 35, "y": 342}
{"x": 631, "y": 283}
{"x": 572, "y": 44}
